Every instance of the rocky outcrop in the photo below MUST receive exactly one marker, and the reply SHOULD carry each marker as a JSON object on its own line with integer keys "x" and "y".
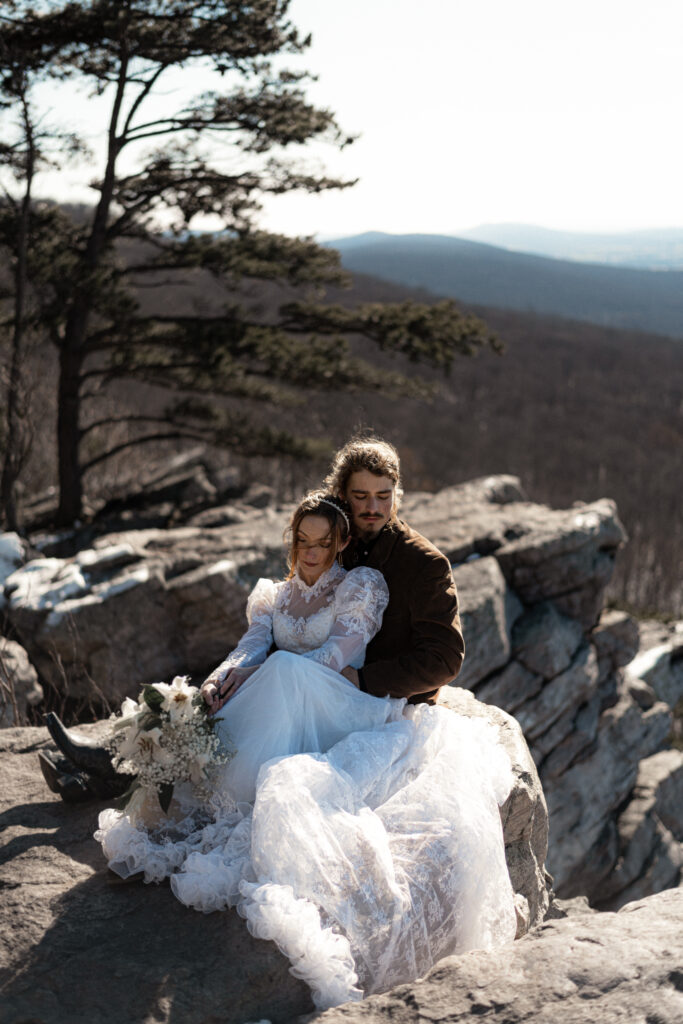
{"x": 149, "y": 603}
{"x": 68, "y": 925}
{"x": 141, "y": 606}
{"x": 585, "y": 967}
{"x": 547, "y": 652}
{"x": 487, "y": 607}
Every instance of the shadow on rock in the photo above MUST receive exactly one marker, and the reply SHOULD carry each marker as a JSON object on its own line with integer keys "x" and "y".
{"x": 132, "y": 952}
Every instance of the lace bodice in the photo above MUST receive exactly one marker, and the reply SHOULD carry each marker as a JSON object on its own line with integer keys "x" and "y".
{"x": 330, "y": 622}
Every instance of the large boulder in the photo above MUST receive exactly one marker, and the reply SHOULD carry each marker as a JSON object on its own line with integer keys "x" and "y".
{"x": 69, "y": 929}
{"x": 568, "y": 558}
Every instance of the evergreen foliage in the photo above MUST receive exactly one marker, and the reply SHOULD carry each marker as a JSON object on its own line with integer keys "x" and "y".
{"x": 169, "y": 170}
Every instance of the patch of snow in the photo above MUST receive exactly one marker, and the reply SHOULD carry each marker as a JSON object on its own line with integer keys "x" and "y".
{"x": 225, "y": 565}
{"x": 658, "y": 667}
{"x": 645, "y": 663}
{"x": 103, "y": 557}
{"x": 44, "y": 583}
{"x": 106, "y": 590}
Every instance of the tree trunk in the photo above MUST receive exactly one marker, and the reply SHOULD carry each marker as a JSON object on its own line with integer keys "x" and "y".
{"x": 14, "y": 442}
{"x": 73, "y": 348}
{"x": 17, "y": 445}
{"x": 68, "y": 430}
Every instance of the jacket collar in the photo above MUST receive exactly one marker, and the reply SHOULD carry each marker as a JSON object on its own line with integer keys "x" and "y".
{"x": 382, "y": 547}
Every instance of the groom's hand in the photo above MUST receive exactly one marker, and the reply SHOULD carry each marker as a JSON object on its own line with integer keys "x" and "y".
{"x": 352, "y": 675}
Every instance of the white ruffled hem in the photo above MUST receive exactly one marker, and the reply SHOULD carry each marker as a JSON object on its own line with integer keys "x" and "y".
{"x": 319, "y": 956}
{"x": 129, "y": 849}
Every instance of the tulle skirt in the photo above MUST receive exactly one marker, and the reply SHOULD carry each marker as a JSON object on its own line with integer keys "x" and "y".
{"x": 362, "y": 835}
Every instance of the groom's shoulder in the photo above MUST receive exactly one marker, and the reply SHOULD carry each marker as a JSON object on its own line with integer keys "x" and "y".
{"x": 414, "y": 546}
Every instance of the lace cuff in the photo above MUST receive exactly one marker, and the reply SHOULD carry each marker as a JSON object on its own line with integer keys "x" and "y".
{"x": 359, "y": 605}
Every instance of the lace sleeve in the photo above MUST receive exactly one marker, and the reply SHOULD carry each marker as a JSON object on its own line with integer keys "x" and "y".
{"x": 254, "y": 645}
{"x": 360, "y": 601}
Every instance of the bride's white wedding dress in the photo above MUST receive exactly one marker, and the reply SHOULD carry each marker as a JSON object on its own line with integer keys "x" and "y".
{"x": 362, "y": 835}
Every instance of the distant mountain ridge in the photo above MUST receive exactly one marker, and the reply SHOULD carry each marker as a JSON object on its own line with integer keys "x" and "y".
{"x": 652, "y": 249}
{"x": 475, "y": 272}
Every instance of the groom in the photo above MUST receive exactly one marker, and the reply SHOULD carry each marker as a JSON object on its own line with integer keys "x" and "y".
{"x": 420, "y": 646}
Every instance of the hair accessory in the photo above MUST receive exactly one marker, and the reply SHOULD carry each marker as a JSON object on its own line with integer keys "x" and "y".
{"x": 340, "y": 510}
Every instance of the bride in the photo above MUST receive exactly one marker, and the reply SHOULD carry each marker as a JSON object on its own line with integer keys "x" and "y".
{"x": 359, "y": 833}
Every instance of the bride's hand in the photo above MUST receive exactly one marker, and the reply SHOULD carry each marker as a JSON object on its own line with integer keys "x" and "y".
{"x": 220, "y": 690}
{"x": 211, "y": 686}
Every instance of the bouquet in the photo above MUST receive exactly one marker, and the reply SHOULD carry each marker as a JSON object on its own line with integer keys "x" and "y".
{"x": 164, "y": 738}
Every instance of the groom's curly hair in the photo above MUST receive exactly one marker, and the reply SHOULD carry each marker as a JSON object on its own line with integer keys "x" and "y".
{"x": 371, "y": 453}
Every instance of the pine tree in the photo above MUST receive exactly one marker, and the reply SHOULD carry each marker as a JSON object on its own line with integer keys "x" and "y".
{"x": 163, "y": 171}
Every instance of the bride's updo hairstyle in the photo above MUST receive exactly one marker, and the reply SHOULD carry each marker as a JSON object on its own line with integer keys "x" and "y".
{"x": 370, "y": 453}
{"x": 328, "y": 506}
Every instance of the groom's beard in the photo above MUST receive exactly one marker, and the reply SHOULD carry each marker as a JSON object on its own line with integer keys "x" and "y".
{"x": 368, "y": 530}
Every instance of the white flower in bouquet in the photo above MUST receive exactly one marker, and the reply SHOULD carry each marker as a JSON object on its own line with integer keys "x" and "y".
{"x": 128, "y": 708}
{"x": 178, "y": 699}
{"x": 165, "y": 738}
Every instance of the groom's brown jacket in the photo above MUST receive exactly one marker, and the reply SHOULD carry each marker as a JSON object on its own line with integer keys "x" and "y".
{"x": 420, "y": 646}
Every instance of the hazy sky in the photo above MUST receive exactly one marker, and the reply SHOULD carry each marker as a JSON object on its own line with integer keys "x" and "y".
{"x": 562, "y": 113}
